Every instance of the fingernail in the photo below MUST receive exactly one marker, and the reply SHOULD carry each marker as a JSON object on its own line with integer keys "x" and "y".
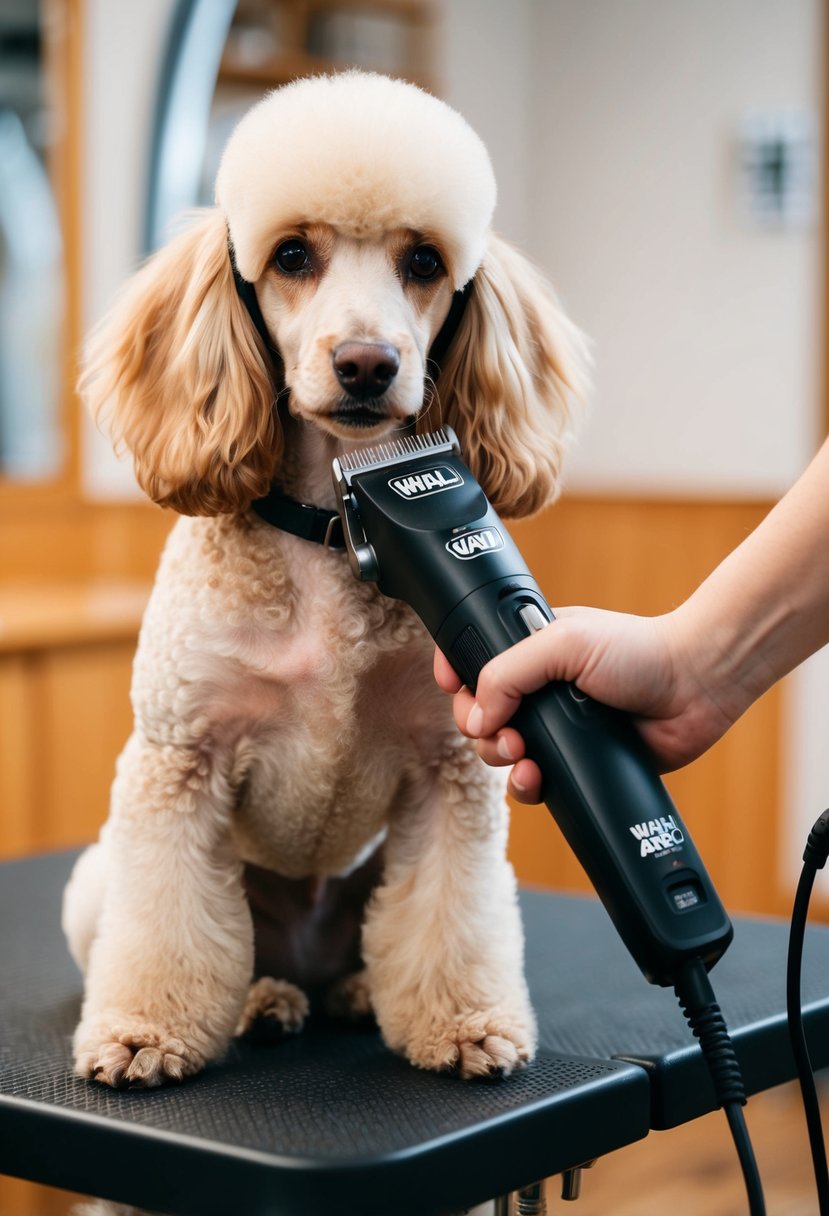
{"x": 503, "y": 748}
{"x": 518, "y": 786}
{"x": 475, "y": 720}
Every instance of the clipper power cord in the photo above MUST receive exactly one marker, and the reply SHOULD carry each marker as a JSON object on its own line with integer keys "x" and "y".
{"x": 418, "y": 524}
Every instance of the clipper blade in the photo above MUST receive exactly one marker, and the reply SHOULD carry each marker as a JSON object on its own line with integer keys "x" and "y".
{"x": 398, "y": 451}
{"x": 392, "y": 452}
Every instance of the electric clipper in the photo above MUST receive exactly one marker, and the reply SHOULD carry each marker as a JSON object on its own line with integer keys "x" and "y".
{"x": 418, "y": 524}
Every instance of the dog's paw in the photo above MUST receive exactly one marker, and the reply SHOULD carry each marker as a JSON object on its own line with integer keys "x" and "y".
{"x": 273, "y": 1009}
{"x": 489, "y": 1044}
{"x": 350, "y": 998}
{"x": 135, "y": 1054}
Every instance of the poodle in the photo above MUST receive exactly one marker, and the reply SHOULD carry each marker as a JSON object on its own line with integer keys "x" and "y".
{"x": 295, "y": 820}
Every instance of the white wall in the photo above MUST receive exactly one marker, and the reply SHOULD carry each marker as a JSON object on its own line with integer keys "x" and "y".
{"x": 485, "y": 53}
{"x": 122, "y": 61}
{"x": 705, "y": 327}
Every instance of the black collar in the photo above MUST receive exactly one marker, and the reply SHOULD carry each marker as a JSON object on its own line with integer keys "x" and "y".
{"x": 310, "y": 523}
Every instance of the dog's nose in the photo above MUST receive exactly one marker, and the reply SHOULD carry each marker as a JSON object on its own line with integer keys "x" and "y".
{"x": 365, "y": 369}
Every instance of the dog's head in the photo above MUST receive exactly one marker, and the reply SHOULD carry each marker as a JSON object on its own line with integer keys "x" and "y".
{"x": 356, "y": 208}
{"x": 356, "y": 205}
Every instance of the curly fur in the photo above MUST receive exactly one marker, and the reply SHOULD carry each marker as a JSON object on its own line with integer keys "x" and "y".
{"x": 291, "y": 754}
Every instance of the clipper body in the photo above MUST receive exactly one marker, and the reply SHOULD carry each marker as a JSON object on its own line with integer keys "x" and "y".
{"x": 418, "y": 523}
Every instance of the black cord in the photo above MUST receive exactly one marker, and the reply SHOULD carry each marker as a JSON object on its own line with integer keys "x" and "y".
{"x": 745, "y": 1152}
{"x": 696, "y": 996}
{"x": 814, "y": 859}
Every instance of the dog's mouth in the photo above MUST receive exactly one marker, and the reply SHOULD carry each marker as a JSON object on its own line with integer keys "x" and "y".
{"x": 361, "y": 415}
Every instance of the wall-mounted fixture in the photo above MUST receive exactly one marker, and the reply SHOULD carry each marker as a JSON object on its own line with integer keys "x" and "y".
{"x": 778, "y": 159}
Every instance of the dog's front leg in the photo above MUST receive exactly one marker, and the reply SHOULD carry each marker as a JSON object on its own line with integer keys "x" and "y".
{"x": 173, "y": 953}
{"x": 443, "y": 940}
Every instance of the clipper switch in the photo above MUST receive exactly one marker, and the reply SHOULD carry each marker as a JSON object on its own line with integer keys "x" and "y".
{"x": 533, "y": 618}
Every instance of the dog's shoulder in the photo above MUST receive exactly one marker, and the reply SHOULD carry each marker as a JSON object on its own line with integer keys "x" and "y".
{"x": 233, "y": 589}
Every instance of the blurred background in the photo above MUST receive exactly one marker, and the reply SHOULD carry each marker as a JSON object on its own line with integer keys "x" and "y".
{"x": 662, "y": 161}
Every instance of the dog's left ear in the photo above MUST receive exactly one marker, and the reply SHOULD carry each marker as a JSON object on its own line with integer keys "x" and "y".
{"x": 508, "y": 381}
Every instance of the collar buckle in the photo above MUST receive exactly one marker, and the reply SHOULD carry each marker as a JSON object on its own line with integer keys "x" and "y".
{"x": 334, "y": 538}
{"x": 316, "y": 524}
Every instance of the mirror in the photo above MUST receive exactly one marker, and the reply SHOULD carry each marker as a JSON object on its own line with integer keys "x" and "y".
{"x": 32, "y": 443}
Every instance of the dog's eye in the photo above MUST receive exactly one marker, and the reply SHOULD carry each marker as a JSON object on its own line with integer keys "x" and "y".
{"x": 292, "y": 256}
{"x": 425, "y": 263}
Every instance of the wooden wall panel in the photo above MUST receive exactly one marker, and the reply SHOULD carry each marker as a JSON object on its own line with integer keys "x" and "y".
{"x": 86, "y": 720}
{"x": 66, "y": 654}
{"x": 64, "y": 717}
{"x": 18, "y": 759}
{"x": 75, "y": 541}
{"x": 632, "y": 556}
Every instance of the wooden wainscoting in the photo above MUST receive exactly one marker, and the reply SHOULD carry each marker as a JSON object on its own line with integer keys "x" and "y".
{"x": 66, "y": 643}
{"x": 75, "y": 579}
{"x": 65, "y": 661}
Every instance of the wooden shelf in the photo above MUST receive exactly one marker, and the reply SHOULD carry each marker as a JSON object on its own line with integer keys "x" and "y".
{"x": 45, "y": 615}
{"x": 290, "y": 65}
{"x": 290, "y": 23}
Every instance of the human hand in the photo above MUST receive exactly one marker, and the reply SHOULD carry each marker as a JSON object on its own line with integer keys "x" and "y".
{"x": 644, "y": 665}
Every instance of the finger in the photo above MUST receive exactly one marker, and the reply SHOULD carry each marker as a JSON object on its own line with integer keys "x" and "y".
{"x": 524, "y": 784}
{"x": 462, "y": 704}
{"x": 504, "y": 748}
{"x": 445, "y": 675}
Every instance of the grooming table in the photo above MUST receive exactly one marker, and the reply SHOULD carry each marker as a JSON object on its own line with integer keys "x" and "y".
{"x": 331, "y": 1121}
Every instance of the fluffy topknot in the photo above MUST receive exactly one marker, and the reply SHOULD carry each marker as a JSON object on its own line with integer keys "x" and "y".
{"x": 364, "y": 153}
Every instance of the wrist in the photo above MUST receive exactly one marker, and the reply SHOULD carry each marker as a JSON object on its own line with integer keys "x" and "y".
{"x": 725, "y": 649}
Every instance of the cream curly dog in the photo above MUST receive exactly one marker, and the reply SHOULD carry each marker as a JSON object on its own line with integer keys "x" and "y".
{"x": 295, "y": 812}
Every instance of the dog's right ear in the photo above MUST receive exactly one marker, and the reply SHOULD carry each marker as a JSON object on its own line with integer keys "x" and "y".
{"x": 513, "y": 371}
{"x": 178, "y": 375}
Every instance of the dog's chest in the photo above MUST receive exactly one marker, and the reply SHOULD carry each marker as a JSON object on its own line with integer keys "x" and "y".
{"x": 322, "y": 784}
{"x": 323, "y": 781}
{"x": 313, "y": 690}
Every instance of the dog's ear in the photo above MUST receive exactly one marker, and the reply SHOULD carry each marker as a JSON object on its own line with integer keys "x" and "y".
{"x": 178, "y": 375}
{"x": 508, "y": 381}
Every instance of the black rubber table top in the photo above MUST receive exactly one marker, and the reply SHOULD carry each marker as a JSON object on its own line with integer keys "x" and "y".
{"x": 591, "y": 998}
{"x": 331, "y": 1120}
